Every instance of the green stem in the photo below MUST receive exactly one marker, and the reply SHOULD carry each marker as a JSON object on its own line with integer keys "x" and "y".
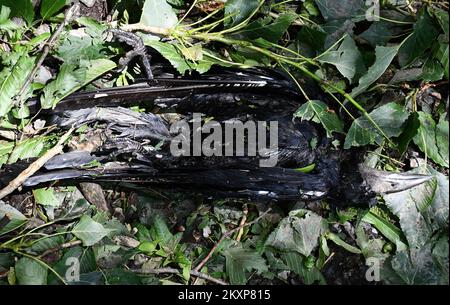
{"x": 4, "y": 245}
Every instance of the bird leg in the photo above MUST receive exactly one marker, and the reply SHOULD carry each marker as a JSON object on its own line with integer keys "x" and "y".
{"x": 139, "y": 50}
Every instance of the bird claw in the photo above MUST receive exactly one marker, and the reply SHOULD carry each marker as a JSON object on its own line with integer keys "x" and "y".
{"x": 139, "y": 50}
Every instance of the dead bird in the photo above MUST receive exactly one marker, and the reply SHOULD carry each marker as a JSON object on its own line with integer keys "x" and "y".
{"x": 138, "y": 154}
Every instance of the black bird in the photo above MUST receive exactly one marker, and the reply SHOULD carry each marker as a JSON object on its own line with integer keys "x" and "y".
{"x": 135, "y": 146}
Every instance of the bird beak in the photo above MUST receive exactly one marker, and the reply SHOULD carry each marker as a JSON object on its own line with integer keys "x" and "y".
{"x": 387, "y": 183}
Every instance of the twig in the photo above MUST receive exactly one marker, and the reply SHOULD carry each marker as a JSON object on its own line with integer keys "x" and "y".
{"x": 144, "y": 28}
{"x": 61, "y": 247}
{"x": 243, "y": 220}
{"x": 225, "y": 235}
{"x": 328, "y": 259}
{"x": 35, "y": 166}
{"x": 4, "y": 274}
{"x": 67, "y": 17}
{"x": 176, "y": 271}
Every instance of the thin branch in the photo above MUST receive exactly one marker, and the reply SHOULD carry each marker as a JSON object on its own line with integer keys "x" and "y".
{"x": 225, "y": 235}
{"x": 61, "y": 247}
{"x": 35, "y": 166}
{"x": 242, "y": 223}
{"x": 144, "y": 28}
{"x": 68, "y": 15}
{"x": 176, "y": 271}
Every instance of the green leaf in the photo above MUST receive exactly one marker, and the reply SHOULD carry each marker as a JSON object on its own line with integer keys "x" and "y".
{"x": 295, "y": 262}
{"x": 318, "y": 112}
{"x": 158, "y": 13}
{"x": 344, "y": 9}
{"x": 441, "y": 54}
{"x": 20, "y": 8}
{"x": 432, "y": 70}
{"x": 70, "y": 79}
{"x": 48, "y": 243}
{"x": 418, "y": 268}
{"x": 239, "y": 10}
{"x": 313, "y": 37}
{"x": 77, "y": 49}
{"x": 442, "y": 17}
{"x": 432, "y": 138}
{"x": 338, "y": 241}
{"x": 267, "y": 28}
{"x": 239, "y": 260}
{"x": 29, "y": 148}
{"x": 14, "y": 218}
{"x": 440, "y": 256}
{"x": 148, "y": 247}
{"x": 6, "y": 260}
{"x": 370, "y": 247}
{"x": 347, "y": 59}
{"x": 194, "y": 53}
{"x": 30, "y": 272}
{"x": 423, "y": 209}
{"x": 379, "y": 33}
{"x": 384, "y": 57}
{"x": 391, "y": 118}
{"x": 87, "y": 263}
{"x": 89, "y": 231}
{"x": 47, "y": 197}
{"x": 386, "y": 228}
{"x": 160, "y": 231}
{"x": 171, "y": 53}
{"x": 12, "y": 83}
{"x": 299, "y": 232}
{"x": 5, "y": 22}
{"x": 120, "y": 276}
{"x": 424, "y": 35}
{"x": 50, "y": 7}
